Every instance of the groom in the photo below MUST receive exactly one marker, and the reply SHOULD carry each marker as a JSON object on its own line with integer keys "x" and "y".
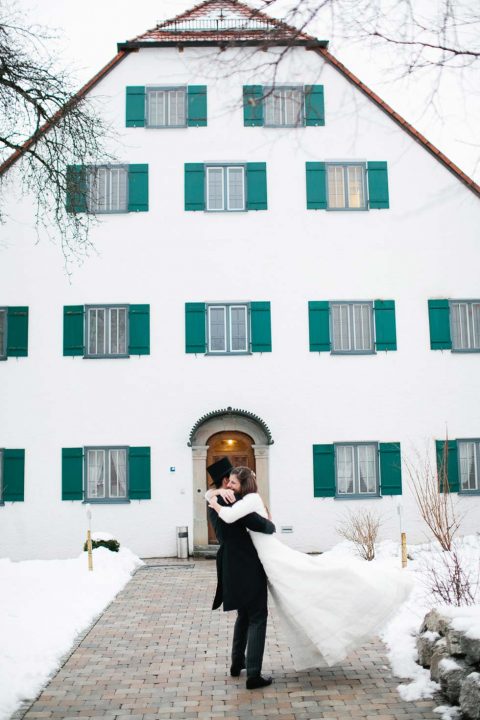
{"x": 242, "y": 583}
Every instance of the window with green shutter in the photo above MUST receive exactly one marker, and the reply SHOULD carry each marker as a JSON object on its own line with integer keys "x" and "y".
{"x": 228, "y": 328}
{"x": 356, "y": 469}
{"x": 469, "y": 466}
{"x": 283, "y": 105}
{"x": 225, "y": 188}
{"x": 106, "y": 331}
{"x": 105, "y": 189}
{"x": 352, "y": 327}
{"x": 12, "y": 475}
{"x": 166, "y": 106}
{"x": 323, "y": 471}
{"x": 390, "y": 469}
{"x": 347, "y": 186}
{"x": 106, "y": 474}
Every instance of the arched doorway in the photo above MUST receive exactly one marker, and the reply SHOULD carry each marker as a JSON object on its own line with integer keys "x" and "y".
{"x": 208, "y": 427}
{"x": 237, "y": 446}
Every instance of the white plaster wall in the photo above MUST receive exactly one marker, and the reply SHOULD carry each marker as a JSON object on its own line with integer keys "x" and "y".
{"x": 425, "y": 246}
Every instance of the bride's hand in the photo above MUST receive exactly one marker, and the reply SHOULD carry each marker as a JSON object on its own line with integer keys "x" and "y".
{"x": 215, "y": 505}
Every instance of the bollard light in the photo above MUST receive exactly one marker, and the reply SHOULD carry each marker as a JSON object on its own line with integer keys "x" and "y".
{"x": 89, "y": 537}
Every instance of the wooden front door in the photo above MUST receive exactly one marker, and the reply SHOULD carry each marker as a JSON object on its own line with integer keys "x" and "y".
{"x": 237, "y": 447}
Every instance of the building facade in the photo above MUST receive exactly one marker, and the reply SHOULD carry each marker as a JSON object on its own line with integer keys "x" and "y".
{"x": 285, "y": 272}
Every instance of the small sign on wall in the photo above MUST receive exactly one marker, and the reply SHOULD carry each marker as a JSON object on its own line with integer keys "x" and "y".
{"x": 286, "y": 529}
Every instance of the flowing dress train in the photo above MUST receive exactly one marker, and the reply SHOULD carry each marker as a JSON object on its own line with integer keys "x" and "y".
{"x": 327, "y": 607}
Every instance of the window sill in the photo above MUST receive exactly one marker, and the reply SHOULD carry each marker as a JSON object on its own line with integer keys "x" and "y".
{"x": 347, "y": 209}
{"x": 227, "y": 354}
{"x": 108, "y": 501}
{"x": 467, "y": 351}
{"x": 106, "y": 357}
{"x": 358, "y": 497}
{"x": 353, "y": 352}
{"x": 464, "y": 493}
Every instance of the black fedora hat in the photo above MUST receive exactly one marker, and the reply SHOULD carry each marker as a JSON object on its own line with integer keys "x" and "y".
{"x": 220, "y": 469}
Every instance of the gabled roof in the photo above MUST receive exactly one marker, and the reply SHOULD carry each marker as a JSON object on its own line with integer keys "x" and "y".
{"x": 219, "y": 22}
{"x": 230, "y": 22}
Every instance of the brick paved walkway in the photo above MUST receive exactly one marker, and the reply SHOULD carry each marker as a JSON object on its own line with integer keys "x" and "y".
{"x": 158, "y": 652}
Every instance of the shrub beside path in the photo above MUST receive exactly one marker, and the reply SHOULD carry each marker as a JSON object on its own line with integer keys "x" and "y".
{"x": 159, "y": 652}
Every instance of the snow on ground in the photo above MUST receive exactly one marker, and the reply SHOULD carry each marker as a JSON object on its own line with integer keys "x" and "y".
{"x": 44, "y": 605}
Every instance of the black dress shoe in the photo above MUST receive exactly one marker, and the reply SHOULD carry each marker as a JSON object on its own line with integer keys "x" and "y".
{"x": 257, "y": 681}
{"x": 235, "y": 670}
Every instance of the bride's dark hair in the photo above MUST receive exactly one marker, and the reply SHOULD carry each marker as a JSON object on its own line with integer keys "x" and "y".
{"x": 247, "y": 480}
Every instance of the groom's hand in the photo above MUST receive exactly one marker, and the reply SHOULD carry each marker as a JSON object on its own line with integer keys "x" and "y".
{"x": 226, "y": 494}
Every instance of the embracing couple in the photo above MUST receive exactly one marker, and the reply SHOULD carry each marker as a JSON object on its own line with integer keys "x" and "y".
{"x": 326, "y": 606}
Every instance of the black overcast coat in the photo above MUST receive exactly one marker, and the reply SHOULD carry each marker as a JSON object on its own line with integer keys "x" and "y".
{"x": 240, "y": 574}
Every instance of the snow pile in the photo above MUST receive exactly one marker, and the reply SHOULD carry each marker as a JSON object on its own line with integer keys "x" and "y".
{"x": 44, "y": 605}
{"x": 400, "y": 634}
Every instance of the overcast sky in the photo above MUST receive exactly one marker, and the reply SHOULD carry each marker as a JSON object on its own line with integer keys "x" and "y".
{"x": 89, "y": 31}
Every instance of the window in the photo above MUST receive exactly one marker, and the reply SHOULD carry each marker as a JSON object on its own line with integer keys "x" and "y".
{"x": 352, "y": 327}
{"x": 356, "y": 469}
{"x": 469, "y": 461}
{"x": 106, "y": 331}
{"x": 226, "y": 188}
{"x": 227, "y": 328}
{"x": 106, "y": 473}
{"x": 107, "y": 189}
{"x": 346, "y": 187}
{"x": 284, "y": 106}
{"x": 465, "y": 324}
{"x": 3, "y": 333}
{"x": 166, "y": 107}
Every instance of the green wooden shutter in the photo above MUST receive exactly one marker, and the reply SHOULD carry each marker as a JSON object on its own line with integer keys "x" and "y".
{"x": 385, "y": 328}
{"x": 450, "y": 469}
{"x": 252, "y": 105}
{"x": 13, "y": 475}
{"x": 76, "y": 189}
{"x": 319, "y": 325}
{"x": 139, "y": 329}
{"x": 17, "y": 332}
{"x": 197, "y": 105}
{"x": 139, "y": 482}
{"x": 390, "y": 469}
{"x": 323, "y": 471}
{"x": 72, "y": 473}
{"x": 194, "y": 186}
{"x": 316, "y": 186}
{"x": 73, "y": 330}
{"x": 137, "y": 188}
{"x": 135, "y": 115}
{"x": 439, "y": 319}
{"x": 195, "y": 327}
{"x": 314, "y": 105}
{"x": 261, "y": 327}
{"x": 377, "y": 176}
{"x": 257, "y": 186}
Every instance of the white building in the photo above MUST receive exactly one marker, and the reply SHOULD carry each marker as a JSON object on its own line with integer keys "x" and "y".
{"x": 286, "y": 272}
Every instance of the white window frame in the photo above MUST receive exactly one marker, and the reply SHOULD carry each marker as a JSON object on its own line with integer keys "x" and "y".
{"x": 352, "y": 334}
{"x": 167, "y": 90}
{"x": 3, "y": 349}
{"x": 226, "y": 206}
{"x": 346, "y": 196}
{"x": 107, "y": 330}
{"x": 476, "y": 464}
{"x": 269, "y": 96}
{"x": 357, "y": 492}
{"x": 227, "y": 308}
{"x": 472, "y": 343}
{"x": 111, "y": 206}
{"x": 107, "y": 496}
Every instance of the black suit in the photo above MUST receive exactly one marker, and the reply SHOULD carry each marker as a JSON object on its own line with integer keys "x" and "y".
{"x": 242, "y": 586}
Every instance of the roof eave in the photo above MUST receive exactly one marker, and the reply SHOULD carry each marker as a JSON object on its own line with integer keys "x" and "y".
{"x": 178, "y": 42}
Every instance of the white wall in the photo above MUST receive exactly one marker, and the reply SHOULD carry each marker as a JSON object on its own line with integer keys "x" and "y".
{"x": 425, "y": 245}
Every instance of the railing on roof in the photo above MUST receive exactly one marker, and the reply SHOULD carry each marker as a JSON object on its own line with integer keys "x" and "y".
{"x": 219, "y": 25}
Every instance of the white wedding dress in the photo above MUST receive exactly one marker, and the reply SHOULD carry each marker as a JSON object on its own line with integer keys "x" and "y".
{"x": 326, "y": 607}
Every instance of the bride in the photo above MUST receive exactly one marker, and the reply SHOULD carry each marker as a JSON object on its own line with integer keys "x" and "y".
{"x": 327, "y": 607}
